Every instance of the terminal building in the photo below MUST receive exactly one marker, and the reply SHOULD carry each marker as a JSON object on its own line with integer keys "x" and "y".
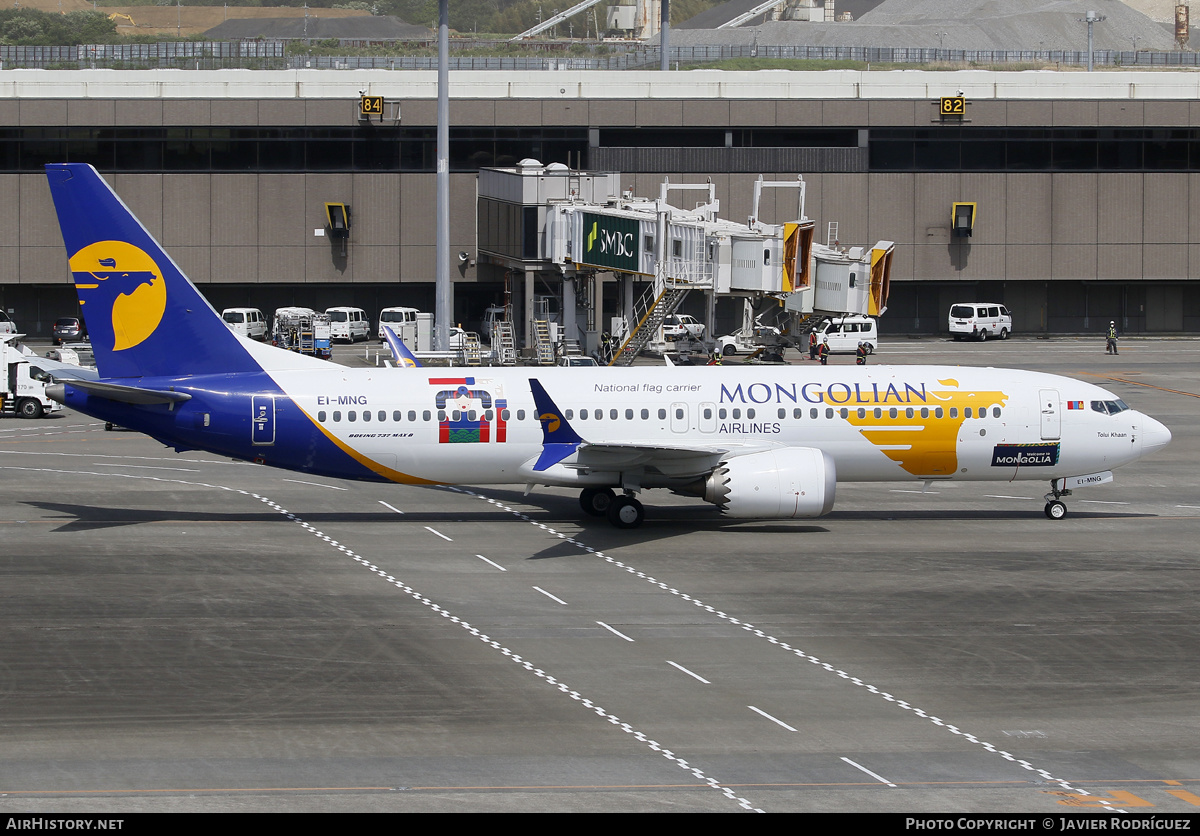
{"x": 1072, "y": 198}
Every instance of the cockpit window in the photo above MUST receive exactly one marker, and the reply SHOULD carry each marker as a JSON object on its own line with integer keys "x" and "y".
{"x": 1109, "y": 407}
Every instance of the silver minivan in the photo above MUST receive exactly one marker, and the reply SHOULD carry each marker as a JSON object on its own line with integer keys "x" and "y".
{"x": 979, "y": 320}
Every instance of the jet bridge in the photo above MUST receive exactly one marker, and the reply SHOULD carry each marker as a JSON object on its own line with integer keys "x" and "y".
{"x": 567, "y": 229}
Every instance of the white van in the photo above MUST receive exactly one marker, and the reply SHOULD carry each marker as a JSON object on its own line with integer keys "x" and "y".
{"x": 249, "y": 322}
{"x": 350, "y": 324}
{"x": 396, "y": 319}
{"x": 845, "y": 333}
{"x": 979, "y": 320}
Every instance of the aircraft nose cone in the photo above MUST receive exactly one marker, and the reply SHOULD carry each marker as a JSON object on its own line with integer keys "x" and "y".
{"x": 1155, "y": 436}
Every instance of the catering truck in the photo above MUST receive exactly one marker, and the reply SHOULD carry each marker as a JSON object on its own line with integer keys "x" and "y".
{"x": 23, "y": 383}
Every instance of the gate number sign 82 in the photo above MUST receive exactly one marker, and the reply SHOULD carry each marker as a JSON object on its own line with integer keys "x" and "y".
{"x": 953, "y": 106}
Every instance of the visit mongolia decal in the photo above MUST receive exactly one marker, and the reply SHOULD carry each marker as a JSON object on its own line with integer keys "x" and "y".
{"x": 465, "y": 411}
{"x": 1025, "y": 455}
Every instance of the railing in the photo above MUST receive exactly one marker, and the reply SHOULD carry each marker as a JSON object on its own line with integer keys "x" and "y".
{"x": 274, "y": 55}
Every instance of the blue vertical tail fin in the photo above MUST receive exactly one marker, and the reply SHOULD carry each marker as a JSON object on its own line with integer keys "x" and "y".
{"x": 559, "y": 440}
{"x": 403, "y": 357}
{"x": 144, "y": 316}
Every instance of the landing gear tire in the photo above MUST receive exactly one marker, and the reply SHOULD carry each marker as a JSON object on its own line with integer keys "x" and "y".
{"x": 1055, "y": 510}
{"x": 626, "y": 512}
{"x": 596, "y": 501}
{"x": 29, "y": 408}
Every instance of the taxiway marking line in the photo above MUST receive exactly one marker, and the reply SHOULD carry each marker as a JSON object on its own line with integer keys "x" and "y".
{"x": 145, "y": 467}
{"x": 551, "y": 597}
{"x": 862, "y": 768}
{"x": 614, "y": 631}
{"x": 316, "y": 484}
{"x": 390, "y": 507}
{"x": 692, "y": 674}
{"x": 497, "y": 565}
{"x": 672, "y": 757}
{"x": 769, "y": 717}
{"x": 789, "y": 648}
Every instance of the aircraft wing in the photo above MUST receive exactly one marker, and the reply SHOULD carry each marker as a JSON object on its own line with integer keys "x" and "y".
{"x": 562, "y": 445}
{"x": 673, "y": 460}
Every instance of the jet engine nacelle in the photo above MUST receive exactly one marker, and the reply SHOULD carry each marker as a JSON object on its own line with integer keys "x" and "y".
{"x": 774, "y": 484}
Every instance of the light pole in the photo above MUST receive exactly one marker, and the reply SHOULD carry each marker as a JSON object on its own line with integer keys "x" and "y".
{"x": 1091, "y": 18}
{"x": 443, "y": 300}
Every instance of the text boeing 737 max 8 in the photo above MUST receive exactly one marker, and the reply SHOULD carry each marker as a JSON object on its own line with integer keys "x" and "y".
{"x": 759, "y": 442}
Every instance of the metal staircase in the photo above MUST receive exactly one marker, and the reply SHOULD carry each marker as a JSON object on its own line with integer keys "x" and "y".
{"x": 545, "y": 348}
{"x": 505, "y": 346}
{"x": 472, "y": 352}
{"x": 656, "y": 304}
{"x": 678, "y": 276}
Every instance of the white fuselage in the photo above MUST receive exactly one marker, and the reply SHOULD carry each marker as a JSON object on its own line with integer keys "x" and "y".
{"x": 877, "y": 423}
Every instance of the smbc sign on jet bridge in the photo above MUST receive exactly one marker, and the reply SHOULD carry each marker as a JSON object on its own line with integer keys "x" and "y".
{"x": 611, "y": 242}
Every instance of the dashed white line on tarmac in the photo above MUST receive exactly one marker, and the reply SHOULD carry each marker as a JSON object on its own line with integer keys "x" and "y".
{"x": 769, "y": 717}
{"x": 316, "y": 484}
{"x": 389, "y": 507}
{"x": 799, "y": 653}
{"x": 438, "y": 533}
{"x": 497, "y": 565}
{"x": 692, "y": 674}
{"x": 551, "y": 597}
{"x": 614, "y": 631}
{"x": 862, "y": 768}
{"x": 1103, "y": 502}
{"x": 1005, "y": 496}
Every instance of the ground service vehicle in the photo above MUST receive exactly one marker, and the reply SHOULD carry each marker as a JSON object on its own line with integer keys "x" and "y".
{"x": 766, "y": 442}
{"x": 979, "y": 320}
{"x": 349, "y": 324}
{"x": 743, "y": 341}
{"x": 397, "y": 319}
{"x": 302, "y": 330}
{"x": 249, "y": 322}
{"x": 7, "y": 326}
{"x": 22, "y": 382}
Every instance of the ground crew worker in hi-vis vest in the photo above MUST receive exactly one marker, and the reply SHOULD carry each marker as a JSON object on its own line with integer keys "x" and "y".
{"x": 823, "y": 351}
{"x": 812, "y": 344}
{"x": 1110, "y": 345}
{"x": 861, "y": 354}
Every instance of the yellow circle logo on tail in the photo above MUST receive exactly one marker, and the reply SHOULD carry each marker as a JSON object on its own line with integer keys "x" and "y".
{"x": 123, "y": 273}
{"x": 551, "y": 420}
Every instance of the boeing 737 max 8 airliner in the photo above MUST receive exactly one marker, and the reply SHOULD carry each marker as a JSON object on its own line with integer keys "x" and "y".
{"x": 759, "y": 442}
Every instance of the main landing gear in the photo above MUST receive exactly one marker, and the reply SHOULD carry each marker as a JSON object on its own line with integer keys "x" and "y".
{"x": 623, "y": 511}
{"x": 1056, "y": 509}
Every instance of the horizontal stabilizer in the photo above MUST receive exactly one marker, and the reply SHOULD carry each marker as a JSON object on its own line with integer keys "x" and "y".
{"x": 116, "y": 392}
